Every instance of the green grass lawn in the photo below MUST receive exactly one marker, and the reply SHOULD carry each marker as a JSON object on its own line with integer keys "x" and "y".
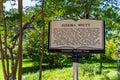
{"x": 66, "y": 74}
{"x": 88, "y": 70}
{"x": 1, "y": 72}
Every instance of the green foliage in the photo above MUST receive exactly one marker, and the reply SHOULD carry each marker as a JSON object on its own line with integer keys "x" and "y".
{"x": 1, "y": 30}
{"x": 55, "y": 60}
{"x": 110, "y": 49}
{"x": 32, "y": 45}
{"x": 33, "y": 50}
{"x": 12, "y": 17}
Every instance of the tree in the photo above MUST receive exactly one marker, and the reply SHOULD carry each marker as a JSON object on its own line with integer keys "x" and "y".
{"x": 18, "y": 58}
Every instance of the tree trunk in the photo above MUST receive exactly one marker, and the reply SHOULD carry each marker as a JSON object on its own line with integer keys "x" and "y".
{"x": 20, "y": 40}
{"x": 5, "y": 40}
{"x": 43, "y": 31}
{"x": 18, "y": 60}
{"x": 2, "y": 58}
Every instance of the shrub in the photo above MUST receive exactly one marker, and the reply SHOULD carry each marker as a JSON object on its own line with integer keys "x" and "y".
{"x": 33, "y": 50}
{"x": 110, "y": 49}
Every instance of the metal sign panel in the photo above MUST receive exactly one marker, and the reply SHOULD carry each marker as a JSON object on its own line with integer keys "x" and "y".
{"x": 82, "y": 36}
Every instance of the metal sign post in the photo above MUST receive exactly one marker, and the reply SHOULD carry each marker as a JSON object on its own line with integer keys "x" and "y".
{"x": 75, "y": 66}
{"x": 100, "y": 63}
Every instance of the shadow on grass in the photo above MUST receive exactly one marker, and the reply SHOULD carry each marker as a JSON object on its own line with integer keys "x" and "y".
{"x": 31, "y": 69}
{"x": 34, "y": 69}
{"x": 110, "y": 67}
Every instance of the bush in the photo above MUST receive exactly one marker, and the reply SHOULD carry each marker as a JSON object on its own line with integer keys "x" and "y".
{"x": 33, "y": 50}
{"x": 110, "y": 49}
{"x": 55, "y": 60}
{"x": 32, "y": 45}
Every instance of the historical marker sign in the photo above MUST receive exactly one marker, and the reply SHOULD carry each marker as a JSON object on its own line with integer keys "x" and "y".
{"x": 82, "y": 36}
